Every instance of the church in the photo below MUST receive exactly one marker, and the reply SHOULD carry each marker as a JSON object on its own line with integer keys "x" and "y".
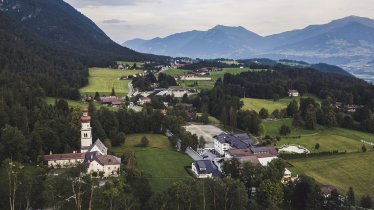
{"x": 94, "y": 156}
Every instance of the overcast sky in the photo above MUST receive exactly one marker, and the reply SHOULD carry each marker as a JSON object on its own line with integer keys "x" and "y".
{"x": 127, "y": 19}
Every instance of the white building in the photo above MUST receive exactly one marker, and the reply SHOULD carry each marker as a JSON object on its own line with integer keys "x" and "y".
{"x": 203, "y": 169}
{"x": 293, "y": 93}
{"x": 94, "y": 155}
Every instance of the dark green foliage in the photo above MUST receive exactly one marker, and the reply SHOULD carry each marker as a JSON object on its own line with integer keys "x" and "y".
{"x": 351, "y": 200}
{"x": 284, "y": 130}
{"x": 366, "y": 202}
{"x": 363, "y": 148}
{"x": 264, "y": 113}
{"x": 144, "y": 142}
{"x": 317, "y": 146}
{"x": 292, "y": 108}
{"x": 166, "y": 80}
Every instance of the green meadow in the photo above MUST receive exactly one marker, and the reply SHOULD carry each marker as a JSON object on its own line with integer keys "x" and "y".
{"x": 102, "y": 80}
{"x": 159, "y": 159}
{"x": 343, "y": 171}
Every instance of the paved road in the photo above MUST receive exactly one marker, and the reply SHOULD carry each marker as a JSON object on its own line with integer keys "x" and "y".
{"x": 131, "y": 89}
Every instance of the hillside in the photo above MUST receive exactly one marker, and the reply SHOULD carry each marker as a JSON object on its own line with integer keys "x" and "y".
{"x": 347, "y": 42}
{"x": 38, "y": 60}
{"x": 61, "y": 24}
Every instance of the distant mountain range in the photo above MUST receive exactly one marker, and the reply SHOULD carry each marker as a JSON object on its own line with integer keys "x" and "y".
{"x": 347, "y": 42}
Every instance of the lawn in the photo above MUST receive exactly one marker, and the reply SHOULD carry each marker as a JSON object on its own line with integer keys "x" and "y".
{"x": 102, "y": 80}
{"x": 201, "y": 85}
{"x": 329, "y": 138}
{"x": 257, "y": 104}
{"x": 343, "y": 171}
{"x": 165, "y": 165}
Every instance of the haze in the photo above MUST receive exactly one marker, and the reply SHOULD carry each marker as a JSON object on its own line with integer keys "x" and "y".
{"x": 127, "y": 19}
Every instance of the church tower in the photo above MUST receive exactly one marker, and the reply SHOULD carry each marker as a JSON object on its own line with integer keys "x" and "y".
{"x": 86, "y": 133}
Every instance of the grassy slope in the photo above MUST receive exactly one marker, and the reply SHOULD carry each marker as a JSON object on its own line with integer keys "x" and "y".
{"x": 343, "y": 171}
{"x": 270, "y": 105}
{"x": 138, "y": 64}
{"x": 164, "y": 164}
{"x": 328, "y": 138}
{"x": 176, "y": 72}
{"x": 77, "y": 104}
{"x": 103, "y": 79}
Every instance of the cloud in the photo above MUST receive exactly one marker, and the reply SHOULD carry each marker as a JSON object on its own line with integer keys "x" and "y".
{"x": 114, "y": 21}
{"x": 93, "y": 3}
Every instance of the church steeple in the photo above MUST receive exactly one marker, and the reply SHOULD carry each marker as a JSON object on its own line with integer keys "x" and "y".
{"x": 86, "y": 133}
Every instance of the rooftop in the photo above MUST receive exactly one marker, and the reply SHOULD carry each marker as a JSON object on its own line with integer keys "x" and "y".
{"x": 68, "y": 156}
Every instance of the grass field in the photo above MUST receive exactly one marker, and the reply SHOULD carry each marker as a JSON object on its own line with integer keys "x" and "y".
{"x": 270, "y": 105}
{"x": 176, "y": 72}
{"x": 219, "y": 74}
{"x": 329, "y": 138}
{"x": 103, "y": 79}
{"x": 138, "y": 64}
{"x": 78, "y": 104}
{"x": 165, "y": 165}
{"x": 343, "y": 171}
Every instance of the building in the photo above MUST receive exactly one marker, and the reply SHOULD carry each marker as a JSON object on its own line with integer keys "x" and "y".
{"x": 293, "y": 93}
{"x": 203, "y": 169}
{"x": 254, "y": 155}
{"x": 144, "y": 100}
{"x": 326, "y": 190}
{"x": 223, "y": 142}
{"x": 94, "y": 156}
{"x": 110, "y": 100}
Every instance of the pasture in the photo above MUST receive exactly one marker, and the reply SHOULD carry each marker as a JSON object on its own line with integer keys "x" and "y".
{"x": 102, "y": 80}
{"x": 219, "y": 74}
{"x": 176, "y": 72}
{"x": 343, "y": 171}
{"x": 271, "y": 105}
{"x": 162, "y": 162}
{"x": 329, "y": 139}
{"x": 129, "y": 63}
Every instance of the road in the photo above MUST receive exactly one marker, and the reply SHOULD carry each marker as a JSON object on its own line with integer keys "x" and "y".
{"x": 131, "y": 89}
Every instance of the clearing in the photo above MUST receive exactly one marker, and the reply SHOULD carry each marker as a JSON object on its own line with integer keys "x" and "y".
{"x": 343, "y": 171}
{"x": 129, "y": 63}
{"x": 159, "y": 159}
{"x": 176, "y": 72}
{"x": 271, "y": 105}
{"x": 102, "y": 80}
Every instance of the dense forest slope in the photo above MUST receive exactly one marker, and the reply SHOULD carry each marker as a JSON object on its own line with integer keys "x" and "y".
{"x": 64, "y": 26}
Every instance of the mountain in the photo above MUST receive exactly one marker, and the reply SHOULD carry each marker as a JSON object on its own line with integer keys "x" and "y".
{"x": 62, "y": 25}
{"x": 220, "y": 41}
{"x": 36, "y": 63}
{"x": 347, "y": 42}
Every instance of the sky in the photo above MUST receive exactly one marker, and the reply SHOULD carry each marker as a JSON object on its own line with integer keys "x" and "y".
{"x": 123, "y": 20}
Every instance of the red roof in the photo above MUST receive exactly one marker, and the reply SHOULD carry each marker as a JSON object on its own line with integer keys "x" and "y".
{"x": 110, "y": 99}
{"x": 68, "y": 156}
{"x": 107, "y": 160}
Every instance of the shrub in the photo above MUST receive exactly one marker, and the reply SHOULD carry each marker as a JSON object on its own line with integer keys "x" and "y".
{"x": 144, "y": 142}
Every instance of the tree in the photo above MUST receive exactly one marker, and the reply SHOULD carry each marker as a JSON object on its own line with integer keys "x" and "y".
{"x": 144, "y": 142}
{"x": 284, "y": 130}
{"x": 276, "y": 114}
{"x": 351, "y": 200}
{"x": 142, "y": 190}
{"x": 113, "y": 92}
{"x": 317, "y": 146}
{"x": 363, "y": 148}
{"x": 13, "y": 142}
{"x": 264, "y": 113}
{"x": 292, "y": 108}
{"x": 366, "y": 202}
{"x": 310, "y": 118}
{"x": 202, "y": 142}
{"x": 13, "y": 170}
{"x": 269, "y": 195}
{"x": 231, "y": 168}
{"x": 97, "y": 96}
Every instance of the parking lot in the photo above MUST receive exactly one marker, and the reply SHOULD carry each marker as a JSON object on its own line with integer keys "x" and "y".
{"x": 205, "y": 131}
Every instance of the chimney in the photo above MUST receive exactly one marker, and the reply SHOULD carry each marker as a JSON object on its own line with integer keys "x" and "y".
{"x": 50, "y": 152}
{"x": 74, "y": 151}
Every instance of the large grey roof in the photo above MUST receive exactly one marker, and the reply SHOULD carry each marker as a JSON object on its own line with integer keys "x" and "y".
{"x": 103, "y": 149}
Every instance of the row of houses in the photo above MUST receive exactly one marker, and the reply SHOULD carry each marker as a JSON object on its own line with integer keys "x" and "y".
{"x": 238, "y": 146}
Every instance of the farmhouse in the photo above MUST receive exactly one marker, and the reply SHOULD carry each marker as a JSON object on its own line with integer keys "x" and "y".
{"x": 144, "y": 100}
{"x": 92, "y": 155}
{"x": 255, "y": 155}
{"x": 203, "y": 169}
{"x": 293, "y": 93}
{"x": 110, "y": 100}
